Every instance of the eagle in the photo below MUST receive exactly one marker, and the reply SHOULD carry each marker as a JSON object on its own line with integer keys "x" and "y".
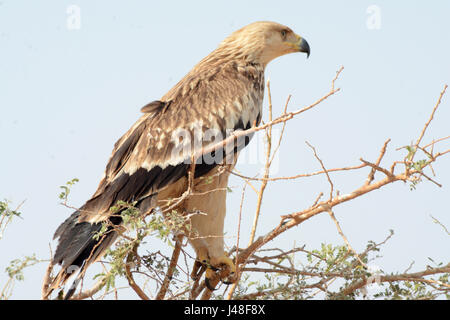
{"x": 164, "y": 151}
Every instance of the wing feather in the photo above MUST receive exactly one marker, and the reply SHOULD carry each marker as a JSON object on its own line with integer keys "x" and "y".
{"x": 156, "y": 151}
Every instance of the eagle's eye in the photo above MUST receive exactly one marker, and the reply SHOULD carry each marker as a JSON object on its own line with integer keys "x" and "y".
{"x": 283, "y": 34}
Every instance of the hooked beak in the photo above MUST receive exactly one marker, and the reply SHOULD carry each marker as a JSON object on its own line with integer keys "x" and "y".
{"x": 303, "y": 46}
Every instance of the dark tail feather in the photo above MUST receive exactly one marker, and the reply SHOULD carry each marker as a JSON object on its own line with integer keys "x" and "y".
{"x": 78, "y": 248}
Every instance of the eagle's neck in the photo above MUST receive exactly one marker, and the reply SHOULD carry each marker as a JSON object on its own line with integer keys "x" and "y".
{"x": 230, "y": 54}
{"x": 235, "y": 71}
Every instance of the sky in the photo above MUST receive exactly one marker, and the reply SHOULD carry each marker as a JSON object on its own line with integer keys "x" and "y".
{"x": 74, "y": 75}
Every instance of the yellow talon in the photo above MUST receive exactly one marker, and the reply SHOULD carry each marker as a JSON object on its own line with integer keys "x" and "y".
{"x": 224, "y": 261}
{"x": 217, "y": 269}
{"x": 227, "y": 271}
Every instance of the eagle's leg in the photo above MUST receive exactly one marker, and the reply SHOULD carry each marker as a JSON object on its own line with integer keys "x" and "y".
{"x": 211, "y": 256}
{"x": 208, "y": 204}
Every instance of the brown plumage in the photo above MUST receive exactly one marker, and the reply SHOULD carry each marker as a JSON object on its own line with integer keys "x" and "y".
{"x": 150, "y": 163}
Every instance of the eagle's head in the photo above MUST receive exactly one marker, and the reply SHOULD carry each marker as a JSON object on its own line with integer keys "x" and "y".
{"x": 263, "y": 41}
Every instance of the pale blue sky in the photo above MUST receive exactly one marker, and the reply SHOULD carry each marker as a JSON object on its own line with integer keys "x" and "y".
{"x": 67, "y": 95}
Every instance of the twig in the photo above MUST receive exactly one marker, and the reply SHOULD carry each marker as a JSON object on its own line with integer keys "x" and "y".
{"x": 303, "y": 175}
{"x": 266, "y": 170}
{"x": 89, "y": 293}
{"x": 129, "y": 275}
{"x": 377, "y": 168}
{"x": 282, "y": 132}
{"x": 430, "y": 119}
{"x": 440, "y": 223}
{"x": 416, "y": 277}
{"x": 350, "y": 248}
{"x": 436, "y": 141}
{"x": 238, "y": 270}
{"x": 323, "y": 168}
{"x": 372, "y": 172}
{"x": 172, "y": 267}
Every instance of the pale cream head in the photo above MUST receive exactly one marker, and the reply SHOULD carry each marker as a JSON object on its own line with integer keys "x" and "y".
{"x": 261, "y": 42}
